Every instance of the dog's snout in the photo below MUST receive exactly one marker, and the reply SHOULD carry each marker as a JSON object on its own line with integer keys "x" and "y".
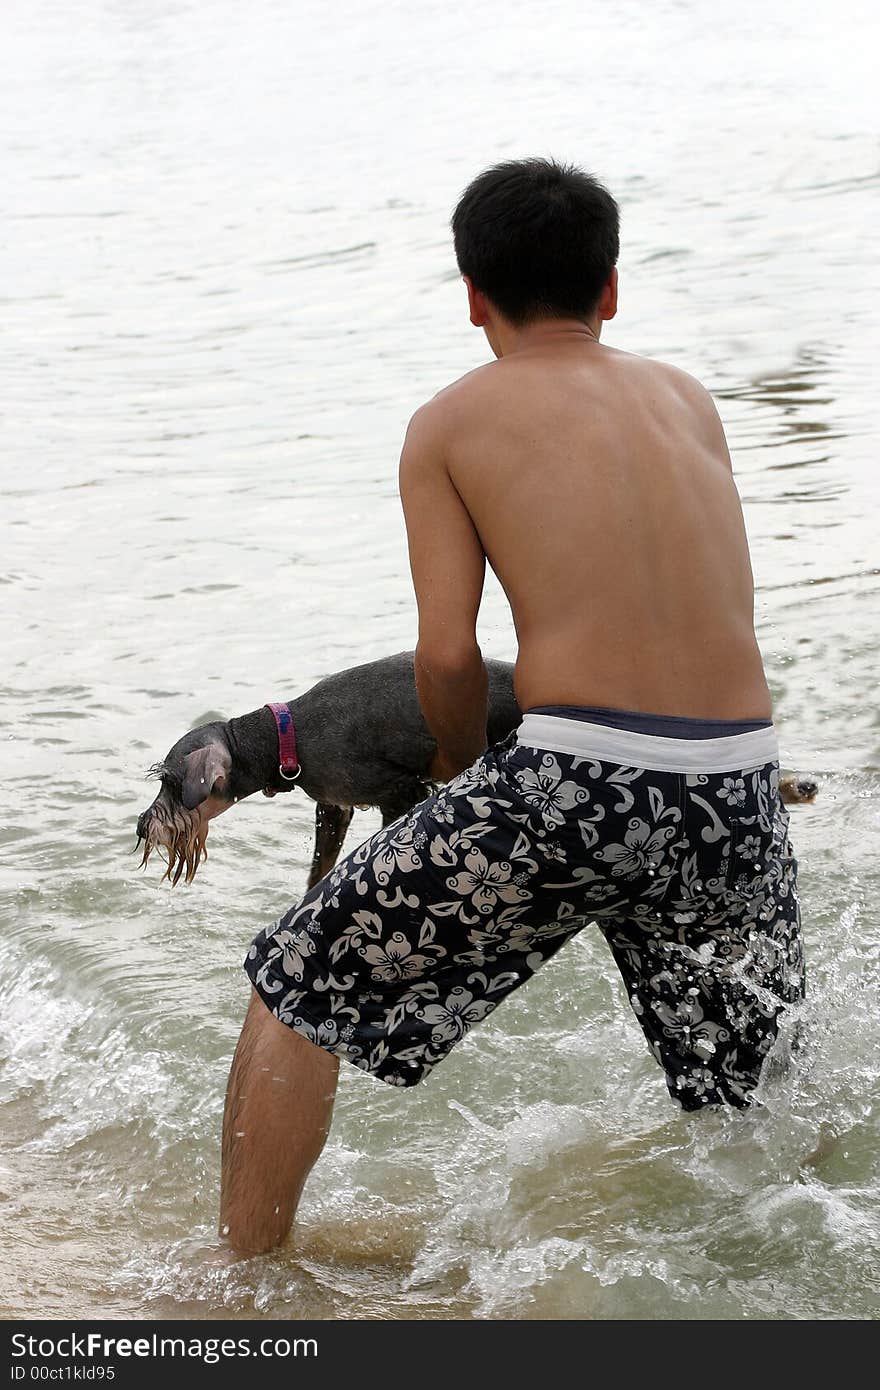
{"x": 806, "y": 788}
{"x": 180, "y": 833}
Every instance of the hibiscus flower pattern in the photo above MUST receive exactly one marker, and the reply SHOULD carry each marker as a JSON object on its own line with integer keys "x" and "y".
{"x": 396, "y": 960}
{"x": 458, "y": 1012}
{"x": 733, "y": 791}
{"x": 486, "y": 883}
{"x": 421, "y": 932}
{"x": 641, "y": 850}
{"x": 545, "y": 789}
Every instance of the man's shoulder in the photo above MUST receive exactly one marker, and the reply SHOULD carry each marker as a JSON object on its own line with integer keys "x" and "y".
{"x": 457, "y": 396}
{"x": 506, "y": 380}
{"x": 687, "y": 387}
{"x": 431, "y": 423}
{"x": 674, "y": 378}
{"x": 693, "y": 404}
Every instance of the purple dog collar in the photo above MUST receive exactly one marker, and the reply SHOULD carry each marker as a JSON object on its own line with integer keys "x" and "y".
{"x": 289, "y": 763}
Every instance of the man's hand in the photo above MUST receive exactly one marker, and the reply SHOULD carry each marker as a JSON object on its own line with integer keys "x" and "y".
{"x": 441, "y": 769}
{"x": 448, "y": 567}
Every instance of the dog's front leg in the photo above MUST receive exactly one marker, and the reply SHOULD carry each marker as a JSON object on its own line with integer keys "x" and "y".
{"x": 331, "y": 824}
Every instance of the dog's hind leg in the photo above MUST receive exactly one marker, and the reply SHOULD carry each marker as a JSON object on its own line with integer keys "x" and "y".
{"x": 404, "y": 799}
{"x": 331, "y": 823}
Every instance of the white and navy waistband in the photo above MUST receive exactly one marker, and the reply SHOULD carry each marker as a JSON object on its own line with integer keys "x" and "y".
{"x": 656, "y": 742}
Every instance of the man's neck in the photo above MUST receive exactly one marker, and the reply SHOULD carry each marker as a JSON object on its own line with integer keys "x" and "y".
{"x": 505, "y": 338}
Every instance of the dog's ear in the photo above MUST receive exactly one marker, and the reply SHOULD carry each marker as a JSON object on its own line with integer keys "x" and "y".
{"x": 205, "y": 771}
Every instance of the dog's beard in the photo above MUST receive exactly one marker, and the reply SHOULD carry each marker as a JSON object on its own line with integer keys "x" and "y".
{"x": 182, "y": 835}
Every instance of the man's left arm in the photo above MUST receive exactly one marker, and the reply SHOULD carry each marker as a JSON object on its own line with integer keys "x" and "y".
{"x": 448, "y": 568}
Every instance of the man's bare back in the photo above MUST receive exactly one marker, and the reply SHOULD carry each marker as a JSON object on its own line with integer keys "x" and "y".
{"x": 600, "y": 487}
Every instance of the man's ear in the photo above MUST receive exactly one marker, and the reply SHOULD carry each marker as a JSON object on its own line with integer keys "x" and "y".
{"x": 205, "y": 770}
{"x": 608, "y": 302}
{"x": 476, "y": 303}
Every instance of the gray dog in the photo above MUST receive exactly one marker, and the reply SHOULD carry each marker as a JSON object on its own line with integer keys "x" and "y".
{"x": 361, "y": 741}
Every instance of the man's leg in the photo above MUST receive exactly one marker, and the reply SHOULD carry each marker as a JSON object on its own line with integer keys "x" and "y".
{"x": 279, "y": 1104}
{"x": 713, "y": 982}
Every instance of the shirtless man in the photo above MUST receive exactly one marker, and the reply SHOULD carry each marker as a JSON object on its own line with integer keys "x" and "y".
{"x": 640, "y": 791}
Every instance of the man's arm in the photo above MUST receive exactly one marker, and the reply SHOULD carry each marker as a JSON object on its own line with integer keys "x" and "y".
{"x": 448, "y": 567}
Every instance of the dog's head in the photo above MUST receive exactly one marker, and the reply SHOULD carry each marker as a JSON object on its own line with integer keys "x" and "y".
{"x": 195, "y": 785}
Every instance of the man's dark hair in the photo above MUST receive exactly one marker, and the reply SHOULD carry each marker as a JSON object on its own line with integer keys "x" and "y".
{"x": 540, "y": 239}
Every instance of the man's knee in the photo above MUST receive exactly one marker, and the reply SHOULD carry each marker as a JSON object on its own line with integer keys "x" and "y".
{"x": 264, "y": 1036}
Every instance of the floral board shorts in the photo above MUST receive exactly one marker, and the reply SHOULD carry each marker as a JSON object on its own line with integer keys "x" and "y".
{"x": 667, "y": 833}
